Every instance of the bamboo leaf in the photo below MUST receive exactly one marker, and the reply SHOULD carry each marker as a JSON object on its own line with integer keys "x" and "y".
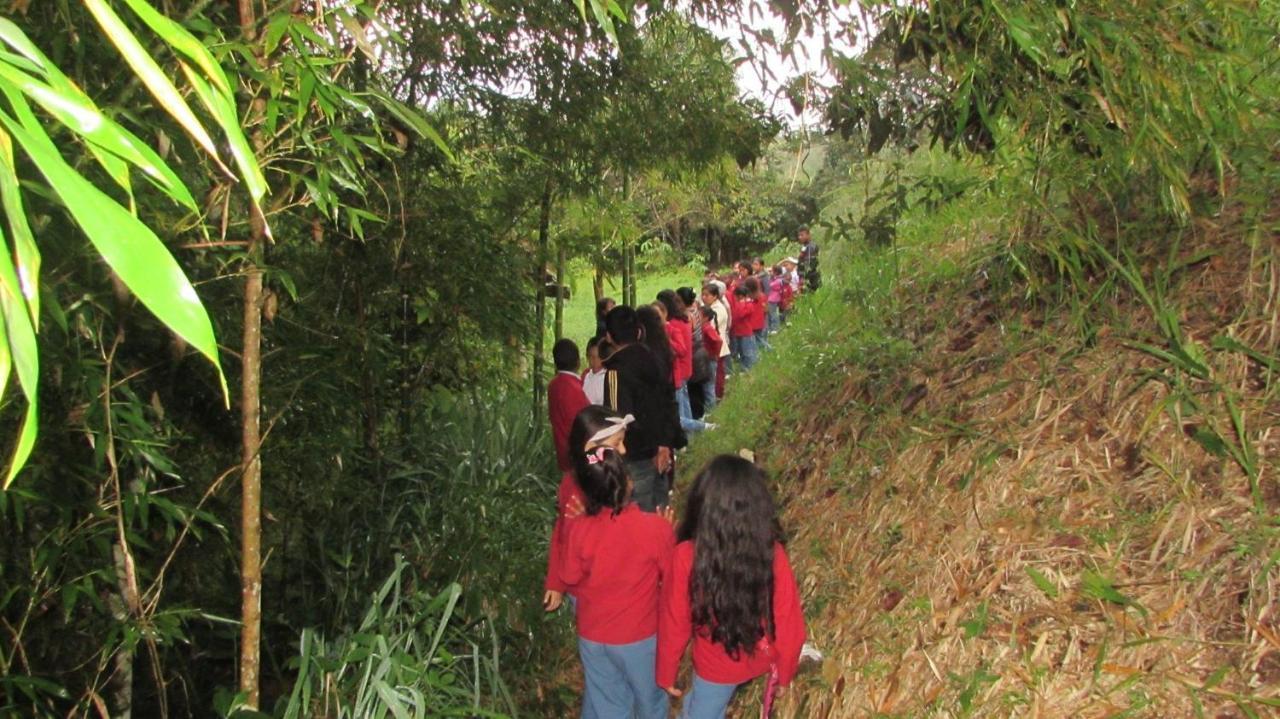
{"x": 24, "y": 354}
{"x": 26, "y": 254}
{"x": 184, "y": 42}
{"x": 413, "y": 120}
{"x": 81, "y": 116}
{"x": 1043, "y": 583}
{"x": 152, "y": 76}
{"x": 224, "y": 112}
{"x": 132, "y": 250}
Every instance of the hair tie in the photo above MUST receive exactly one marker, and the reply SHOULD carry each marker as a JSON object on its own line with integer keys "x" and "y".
{"x": 598, "y": 455}
{"x": 614, "y": 426}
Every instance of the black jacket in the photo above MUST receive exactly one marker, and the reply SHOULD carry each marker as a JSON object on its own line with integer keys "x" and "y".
{"x": 635, "y": 385}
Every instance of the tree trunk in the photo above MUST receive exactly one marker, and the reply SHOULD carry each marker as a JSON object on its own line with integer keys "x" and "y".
{"x": 560, "y": 289}
{"x": 597, "y": 284}
{"x": 539, "y": 291}
{"x": 626, "y": 273}
{"x": 251, "y": 436}
{"x": 404, "y": 371}
{"x": 251, "y": 477}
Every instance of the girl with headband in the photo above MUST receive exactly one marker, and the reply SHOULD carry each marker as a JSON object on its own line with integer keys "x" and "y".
{"x": 612, "y": 561}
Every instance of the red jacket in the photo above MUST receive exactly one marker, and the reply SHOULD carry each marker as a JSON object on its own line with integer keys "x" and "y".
{"x": 743, "y": 313}
{"x": 711, "y": 340}
{"x": 710, "y": 660}
{"x": 613, "y": 565}
{"x": 758, "y": 316}
{"x": 680, "y": 334}
{"x": 560, "y": 531}
{"x": 565, "y": 399}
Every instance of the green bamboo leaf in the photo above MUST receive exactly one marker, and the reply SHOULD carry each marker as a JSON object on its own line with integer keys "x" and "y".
{"x": 1043, "y": 583}
{"x": 184, "y": 42}
{"x": 224, "y": 112}
{"x": 1096, "y": 586}
{"x": 18, "y": 40}
{"x": 413, "y": 120}
{"x": 130, "y": 247}
{"x": 22, "y": 350}
{"x": 81, "y": 116}
{"x": 26, "y": 254}
{"x": 152, "y": 76}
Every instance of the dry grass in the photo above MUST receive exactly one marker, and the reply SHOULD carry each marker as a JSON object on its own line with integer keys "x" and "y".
{"x": 1045, "y": 538}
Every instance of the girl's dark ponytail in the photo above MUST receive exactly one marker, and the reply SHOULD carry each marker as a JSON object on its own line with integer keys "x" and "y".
{"x": 600, "y": 471}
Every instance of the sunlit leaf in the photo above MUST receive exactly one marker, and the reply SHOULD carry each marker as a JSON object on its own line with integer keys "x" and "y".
{"x": 413, "y": 120}
{"x": 152, "y": 76}
{"x": 130, "y": 247}
{"x": 81, "y": 116}
{"x": 24, "y": 354}
{"x": 184, "y": 42}
{"x": 26, "y": 254}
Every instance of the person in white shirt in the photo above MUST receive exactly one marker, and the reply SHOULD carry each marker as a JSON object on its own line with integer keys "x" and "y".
{"x": 712, "y": 296}
{"x": 593, "y": 378}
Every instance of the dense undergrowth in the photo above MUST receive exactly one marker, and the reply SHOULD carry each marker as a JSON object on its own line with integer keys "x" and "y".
{"x": 1014, "y": 489}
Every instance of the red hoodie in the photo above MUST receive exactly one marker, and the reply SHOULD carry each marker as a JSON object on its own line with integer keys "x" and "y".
{"x": 613, "y": 565}
{"x": 711, "y": 340}
{"x": 565, "y": 399}
{"x": 758, "y": 315}
{"x": 743, "y": 313}
{"x": 680, "y": 334}
{"x": 559, "y": 531}
{"x": 710, "y": 660}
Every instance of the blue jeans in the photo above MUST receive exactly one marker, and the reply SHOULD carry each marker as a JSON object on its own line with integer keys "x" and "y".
{"x": 687, "y": 422}
{"x": 709, "y": 391}
{"x": 648, "y": 488}
{"x": 744, "y": 352}
{"x": 706, "y": 700}
{"x": 620, "y": 681}
{"x": 762, "y": 340}
{"x": 773, "y": 318}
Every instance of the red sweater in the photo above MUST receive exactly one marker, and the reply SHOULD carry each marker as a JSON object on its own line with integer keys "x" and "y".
{"x": 711, "y": 340}
{"x": 710, "y": 660}
{"x": 565, "y": 399}
{"x": 758, "y": 315}
{"x": 560, "y": 532}
{"x": 613, "y": 565}
{"x": 680, "y": 334}
{"x": 743, "y": 324}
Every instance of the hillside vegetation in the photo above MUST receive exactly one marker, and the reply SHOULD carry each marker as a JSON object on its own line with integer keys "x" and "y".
{"x": 1012, "y": 503}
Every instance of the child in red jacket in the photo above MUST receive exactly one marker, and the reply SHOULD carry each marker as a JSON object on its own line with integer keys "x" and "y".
{"x": 731, "y": 590}
{"x": 613, "y": 562}
{"x": 742, "y": 336}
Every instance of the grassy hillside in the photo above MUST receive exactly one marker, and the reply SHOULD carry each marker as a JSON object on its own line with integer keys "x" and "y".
{"x": 1003, "y": 505}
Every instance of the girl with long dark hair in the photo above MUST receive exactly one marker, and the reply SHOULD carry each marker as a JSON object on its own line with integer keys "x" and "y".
{"x": 614, "y": 558}
{"x": 680, "y": 336}
{"x": 654, "y": 336}
{"x": 731, "y": 590}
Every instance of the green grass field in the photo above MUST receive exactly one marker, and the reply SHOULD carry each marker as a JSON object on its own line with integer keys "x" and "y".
{"x": 579, "y": 312}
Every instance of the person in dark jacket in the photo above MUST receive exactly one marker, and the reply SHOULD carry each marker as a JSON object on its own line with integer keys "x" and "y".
{"x": 808, "y": 266}
{"x": 637, "y": 385}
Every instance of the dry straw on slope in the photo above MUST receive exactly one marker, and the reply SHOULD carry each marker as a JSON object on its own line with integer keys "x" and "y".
{"x": 1045, "y": 538}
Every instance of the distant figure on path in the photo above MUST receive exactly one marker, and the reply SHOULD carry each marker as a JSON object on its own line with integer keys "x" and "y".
{"x": 731, "y": 591}
{"x": 565, "y": 398}
{"x": 742, "y": 336}
{"x": 636, "y": 384}
{"x": 713, "y": 297}
{"x": 808, "y": 265}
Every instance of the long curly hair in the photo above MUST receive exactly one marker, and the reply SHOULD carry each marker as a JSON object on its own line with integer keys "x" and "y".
{"x": 731, "y": 519}
{"x": 600, "y": 472}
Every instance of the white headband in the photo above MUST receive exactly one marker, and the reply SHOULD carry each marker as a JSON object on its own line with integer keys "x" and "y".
{"x": 616, "y": 425}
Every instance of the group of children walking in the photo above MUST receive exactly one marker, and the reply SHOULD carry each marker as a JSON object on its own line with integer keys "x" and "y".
{"x": 644, "y": 587}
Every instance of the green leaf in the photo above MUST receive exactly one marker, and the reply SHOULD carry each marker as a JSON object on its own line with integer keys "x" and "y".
{"x": 413, "y": 120}
{"x": 130, "y": 247}
{"x": 152, "y": 76}
{"x": 184, "y": 42}
{"x": 1096, "y": 586}
{"x": 21, "y": 348}
{"x": 225, "y": 113}
{"x": 81, "y": 116}
{"x": 1210, "y": 440}
{"x": 1043, "y": 583}
{"x": 26, "y": 253}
